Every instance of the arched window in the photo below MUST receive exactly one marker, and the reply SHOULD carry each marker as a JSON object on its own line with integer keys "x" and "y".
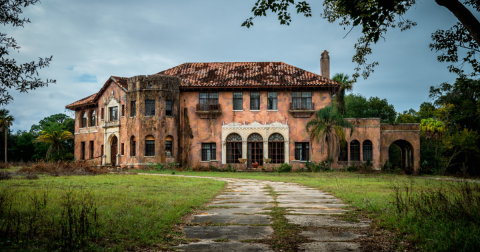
{"x": 343, "y": 151}
{"x": 276, "y": 148}
{"x": 92, "y": 119}
{"x": 354, "y": 150}
{"x": 84, "y": 120}
{"x": 255, "y": 149}
{"x": 150, "y": 146}
{"x": 168, "y": 146}
{"x": 367, "y": 150}
{"x": 234, "y": 148}
{"x": 133, "y": 146}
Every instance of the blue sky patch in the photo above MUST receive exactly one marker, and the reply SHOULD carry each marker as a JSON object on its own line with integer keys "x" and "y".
{"x": 87, "y": 78}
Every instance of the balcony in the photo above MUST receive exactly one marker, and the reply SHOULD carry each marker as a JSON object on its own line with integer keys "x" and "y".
{"x": 302, "y": 110}
{"x": 111, "y": 124}
{"x": 207, "y": 111}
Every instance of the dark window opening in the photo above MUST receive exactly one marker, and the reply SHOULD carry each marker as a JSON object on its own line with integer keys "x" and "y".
{"x": 123, "y": 110}
{"x": 149, "y": 107}
{"x": 132, "y": 147}
{"x": 276, "y": 149}
{"x": 169, "y": 146}
{"x": 234, "y": 148}
{"x": 168, "y": 108}
{"x": 302, "y": 151}
{"x": 254, "y": 100}
{"x": 103, "y": 113}
{"x": 150, "y": 85}
{"x": 123, "y": 149}
{"x": 82, "y": 151}
{"x": 343, "y": 156}
{"x": 255, "y": 149}
{"x": 237, "y": 100}
{"x": 209, "y": 151}
{"x": 113, "y": 114}
{"x": 93, "y": 119}
{"x": 272, "y": 101}
{"x": 84, "y": 120}
{"x": 367, "y": 150}
{"x": 208, "y": 101}
{"x": 133, "y": 108}
{"x": 354, "y": 150}
{"x": 150, "y": 148}
{"x": 101, "y": 151}
{"x": 302, "y": 100}
{"x": 91, "y": 149}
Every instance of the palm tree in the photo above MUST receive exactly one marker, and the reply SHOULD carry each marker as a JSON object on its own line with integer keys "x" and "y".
{"x": 329, "y": 126}
{"x": 6, "y": 121}
{"x": 432, "y": 129}
{"x": 55, "y": 135}
{"x": 345, "y": 84}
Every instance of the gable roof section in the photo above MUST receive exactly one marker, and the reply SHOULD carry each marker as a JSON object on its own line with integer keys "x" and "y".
{"x": 246, "y": 74}
{"x": 93, "y": 99}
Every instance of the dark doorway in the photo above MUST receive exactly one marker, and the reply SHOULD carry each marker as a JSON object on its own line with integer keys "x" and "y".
{"x": 255, "y": 149}
{"x": 406, "y": 156}
{"x": 113, "y": 152}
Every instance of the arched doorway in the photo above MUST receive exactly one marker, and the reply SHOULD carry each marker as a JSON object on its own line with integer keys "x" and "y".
{"x": 403, "y": 158}
{"x": 113, "y": 152}
{"x": 234, "y": 148}
{"x": 255, "y": 149}
{"x": 276, "y": 149}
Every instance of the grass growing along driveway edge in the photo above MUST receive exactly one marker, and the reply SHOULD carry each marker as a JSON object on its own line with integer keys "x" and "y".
{"x": 434, "y": 215}
{"x": 133, "y": 211}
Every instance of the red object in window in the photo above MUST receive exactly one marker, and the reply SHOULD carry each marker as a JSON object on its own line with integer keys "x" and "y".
{"x": 103, "y": 113}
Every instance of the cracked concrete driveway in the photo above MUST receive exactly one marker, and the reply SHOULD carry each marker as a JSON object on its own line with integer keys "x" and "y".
{"x": 239, "y": 219}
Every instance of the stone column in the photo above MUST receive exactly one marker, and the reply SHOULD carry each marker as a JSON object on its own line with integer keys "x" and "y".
{"x": 224, "y": 153}
{"x": 265, "y": 149}
{"x": 244, "y": 149}
{"x": 287, "y": 152}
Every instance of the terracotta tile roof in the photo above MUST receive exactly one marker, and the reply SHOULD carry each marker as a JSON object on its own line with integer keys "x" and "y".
{"x": 92, "y": 99}
{"x": 246, "y": 74}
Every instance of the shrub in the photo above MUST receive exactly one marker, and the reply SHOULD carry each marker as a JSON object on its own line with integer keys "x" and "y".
{"x": 230, "y": 168}
{"x": 284, "y": 168}
{"x": 31, "y": 176}
{"x": 78, "y": 167}
{"x": 4, "y": 175}
{"x": 351, "y": 168}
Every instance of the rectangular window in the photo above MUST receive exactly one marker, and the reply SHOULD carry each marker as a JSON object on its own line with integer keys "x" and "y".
{"x": 91, "y": 149}
{"x": 168, "y": 148}
{"x": 133, "y": 151}
{"x": 254, "y": 100}
{"x": 150, "y": 148}
{"x": 209, "y": 151}
{"x": 150, "y": 107}
{"x": 101, "y": 151}
{"x": 123, "y": 149}
{"x": 302, "y": 100}
{"x": 103, "y": 113}
{"x": 113, "y": 111}
{"x": 82, "y": 151}
{"x": 272, "y": 101}
{"x": 168, "y": 108}
{"x": 133, "y": 108}
{"x": 237, "y": 100}
{"x": 208, "y": 101}
{"x": 123, "y": 110}
{"x": 302, "y": 152}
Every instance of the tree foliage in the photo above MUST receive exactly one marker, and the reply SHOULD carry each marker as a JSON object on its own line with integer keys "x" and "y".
{"x": 56, "y": 136}
{"x": 345, "y": 85}
{"x": 377, "y": 17}
{"x": 22, "y": 77}
{"x": 357, "y": 106}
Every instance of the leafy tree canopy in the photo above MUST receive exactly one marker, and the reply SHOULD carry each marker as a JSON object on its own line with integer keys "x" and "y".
{"x": 357, "y": 106}
{"x": 376, "y": 17}
{"x": 64, "y": 119}
{"x": 22, "y": 77}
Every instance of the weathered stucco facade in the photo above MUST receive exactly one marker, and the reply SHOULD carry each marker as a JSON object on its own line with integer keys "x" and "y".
{"x": 215, "y": 113}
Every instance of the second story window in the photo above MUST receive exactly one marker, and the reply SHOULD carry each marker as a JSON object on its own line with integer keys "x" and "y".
{"x": 272, "y": 101}
{"x": 113, "y": 114}
{"x": 150, "y": 85}
{"x": 302, "y": 100}
{"x": 149, "y": 107}
{"x": 254, "y": 100}
{"x": 133, "y": 108}
{"x": 168, "y": 108}
{"x": 92, "y": 119}
{"x": 103, "y": 113}
{"x": 237, "y": 100}
{"x": 123, "y": 110}
{"x": 84, "y": 120}
{"x": 208, "y": 101}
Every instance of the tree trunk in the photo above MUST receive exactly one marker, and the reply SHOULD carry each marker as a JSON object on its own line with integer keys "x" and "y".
{"x": 464, "y": 16}
{"x": 5, "y": 129}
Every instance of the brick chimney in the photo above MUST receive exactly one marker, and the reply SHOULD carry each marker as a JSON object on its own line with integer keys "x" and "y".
{"x": 325, "y": 65}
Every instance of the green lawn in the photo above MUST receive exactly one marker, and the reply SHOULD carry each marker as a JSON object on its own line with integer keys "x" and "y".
{"x": 132, "y": 210}
{"x": 437, "y": 216}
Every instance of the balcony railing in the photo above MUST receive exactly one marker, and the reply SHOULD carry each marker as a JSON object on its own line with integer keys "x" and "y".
{"x": 208, "y": 108}
{"x": 300, "y": 106}
{"x": 111, "y": 124}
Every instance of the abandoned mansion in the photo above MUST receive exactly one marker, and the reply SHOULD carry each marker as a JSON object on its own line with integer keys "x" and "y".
{"x": 235, "y": 113}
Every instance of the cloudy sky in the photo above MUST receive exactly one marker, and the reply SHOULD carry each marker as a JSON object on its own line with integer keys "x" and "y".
{"x": 91, "y": 40}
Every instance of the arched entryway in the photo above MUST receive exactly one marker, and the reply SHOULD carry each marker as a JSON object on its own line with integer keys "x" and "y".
{"x": 405, "y": 154}
{"x": 113, "y": 150}
{"x": 255, "y": 149}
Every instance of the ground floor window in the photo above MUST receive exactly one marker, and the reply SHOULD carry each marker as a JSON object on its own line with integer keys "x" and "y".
{"x": 276, "y": 149}
{"x": 82, "y": 151}
{"x": 234, "y": 148}
{"x": 354, "y": 150}
{"x": 367, "y": 150}
{"x": 150, "y": 146}
{"x": 169, "y": 146}
{"x": 343, "y": 156}
{"x": 209, "y": 151}
{"x": 302, "y": 151}
{"x": 91, "y": 149}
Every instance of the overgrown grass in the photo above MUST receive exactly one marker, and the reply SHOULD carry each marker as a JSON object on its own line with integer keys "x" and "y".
{"x": 126, "y": 211}
{"x": 435, "y": 215}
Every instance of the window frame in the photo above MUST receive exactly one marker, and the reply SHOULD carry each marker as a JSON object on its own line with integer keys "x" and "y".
{"x": 354, "y": 150}
{"x": 276, "y": 149}
{"x": 91, "y": 149}
{"x": 103, "y": 114}
{"x": 84, "y": 120}
{"x": 82, "y": 151}
{"x": 93, "y": 119}
{"x": 303, "y": 151}
{"x": 254, "y": 100}
{"x": 149, "y": 148}
{"x": 213, "y": 152}
{"x": 234, "y": 148}
{"x": 367, "y": 148}
{"x": 168, "y": 108}
{"x": 113, "y": 117}
{"x": 272, "y": 100}
{"x": 301, "y": 100}
{"x": 237, "y": 101}
{"x": 149, "y": 107}
{"x": 169, "y": 147}
{"x": 133, "y": 108}
{"x": 133, "y": 147}
{"x": 211, "y": 98}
